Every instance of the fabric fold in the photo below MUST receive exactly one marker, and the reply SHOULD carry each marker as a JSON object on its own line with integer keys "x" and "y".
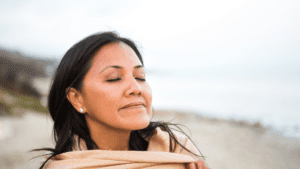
{"x": 158, "y": 155}
{"x": 121, "y": 159}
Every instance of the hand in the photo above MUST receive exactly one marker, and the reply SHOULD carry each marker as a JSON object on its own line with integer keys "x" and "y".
{"x": 197, "y": 165}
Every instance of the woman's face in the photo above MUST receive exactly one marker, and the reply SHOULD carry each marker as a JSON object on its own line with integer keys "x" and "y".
{"x": 115, "y": 93}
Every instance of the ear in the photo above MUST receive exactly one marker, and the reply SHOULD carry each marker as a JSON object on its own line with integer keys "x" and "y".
{"x": 76, "y": 99}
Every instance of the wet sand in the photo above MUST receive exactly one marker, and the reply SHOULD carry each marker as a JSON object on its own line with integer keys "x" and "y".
{"x": 225, "y": 144}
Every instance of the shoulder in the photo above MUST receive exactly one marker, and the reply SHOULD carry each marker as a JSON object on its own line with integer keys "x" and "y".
{"x": 161, "y": 141}
{"x": 186, "y": 143}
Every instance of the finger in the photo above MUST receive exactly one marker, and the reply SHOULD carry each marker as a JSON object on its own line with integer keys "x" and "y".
{"x": 201, "y": 165}
{"x": 191, "y": 166}
{"x": 198, "y": 164}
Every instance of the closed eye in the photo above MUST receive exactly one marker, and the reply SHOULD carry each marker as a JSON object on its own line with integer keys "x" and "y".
{"x": 140, "y": 79}
{"x": 118, "y": 79}
{"x": 114, "y": 80}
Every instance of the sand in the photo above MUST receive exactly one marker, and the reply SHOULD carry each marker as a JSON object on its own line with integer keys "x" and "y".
{"x": 226, "y": 144}
{"x": 232, "y": 145}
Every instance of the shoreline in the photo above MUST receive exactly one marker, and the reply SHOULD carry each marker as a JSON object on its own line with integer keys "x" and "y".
{"x": 257, "y": 126}
{"x": 184, "y": 116}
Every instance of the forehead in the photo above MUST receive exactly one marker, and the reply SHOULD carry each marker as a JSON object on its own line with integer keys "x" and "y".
{"x": 115, "y": 54}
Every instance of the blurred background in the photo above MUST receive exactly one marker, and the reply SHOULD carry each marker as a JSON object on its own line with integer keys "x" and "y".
{"x": 234, "y": 60}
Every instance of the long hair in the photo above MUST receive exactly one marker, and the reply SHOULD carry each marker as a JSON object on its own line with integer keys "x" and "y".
{"x": 70, "y": 73}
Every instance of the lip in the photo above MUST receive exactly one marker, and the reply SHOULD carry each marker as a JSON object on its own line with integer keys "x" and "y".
{"x": 133, "y": 105}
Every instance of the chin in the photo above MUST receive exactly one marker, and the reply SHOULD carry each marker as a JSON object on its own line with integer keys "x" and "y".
{"x": 144, "y": 125}
{"x": 139, "y": 124}
{"x": 135, "y": 120}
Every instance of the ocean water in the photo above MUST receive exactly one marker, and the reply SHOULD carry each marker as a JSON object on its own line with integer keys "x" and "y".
{"x": 273, "y": 103}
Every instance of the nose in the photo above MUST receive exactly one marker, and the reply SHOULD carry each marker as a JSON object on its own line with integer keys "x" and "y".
{"x": 134, "y": 88}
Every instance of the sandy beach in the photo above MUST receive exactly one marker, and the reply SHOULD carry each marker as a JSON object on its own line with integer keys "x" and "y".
{"x": 226, "y": 144}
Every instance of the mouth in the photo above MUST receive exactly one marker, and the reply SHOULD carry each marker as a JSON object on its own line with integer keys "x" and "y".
{"x": 134, "y": 105}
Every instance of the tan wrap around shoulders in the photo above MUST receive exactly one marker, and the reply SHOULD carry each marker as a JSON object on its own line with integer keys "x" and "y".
{"x": 158, "y": 155}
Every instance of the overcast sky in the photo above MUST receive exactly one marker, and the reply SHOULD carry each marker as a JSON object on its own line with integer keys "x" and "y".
{"x": 229, "y": 36}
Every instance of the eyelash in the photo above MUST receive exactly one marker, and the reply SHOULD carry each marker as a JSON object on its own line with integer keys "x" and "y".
{"x": 115, "y": 80}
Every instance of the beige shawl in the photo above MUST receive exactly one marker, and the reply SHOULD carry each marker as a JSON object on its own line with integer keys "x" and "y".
{"x": 158, "y": 155}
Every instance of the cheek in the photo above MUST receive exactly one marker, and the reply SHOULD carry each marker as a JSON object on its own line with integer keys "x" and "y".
{"x": 149, "y": 91}
{"x": 110, "y": 100}
{"x": 148, "y": 95}
{"x": 101, "y": 99}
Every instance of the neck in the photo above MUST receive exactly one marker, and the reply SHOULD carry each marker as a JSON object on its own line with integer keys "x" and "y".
{"x": 107, "y": 138}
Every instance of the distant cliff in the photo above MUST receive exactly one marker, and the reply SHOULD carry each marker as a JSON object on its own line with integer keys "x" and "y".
{"x": 17, "y": 71}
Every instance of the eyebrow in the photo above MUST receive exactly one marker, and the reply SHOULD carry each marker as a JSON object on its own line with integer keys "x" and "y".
{"x": 120, "y": 67}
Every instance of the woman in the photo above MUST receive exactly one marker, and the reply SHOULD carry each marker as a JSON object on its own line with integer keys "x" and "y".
{"x": 101, "y": 105}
